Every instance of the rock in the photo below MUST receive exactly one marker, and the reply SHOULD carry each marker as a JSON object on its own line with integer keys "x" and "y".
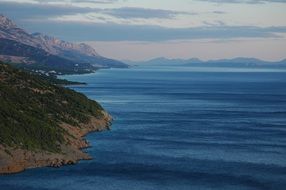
{"x": 17, "y": 159}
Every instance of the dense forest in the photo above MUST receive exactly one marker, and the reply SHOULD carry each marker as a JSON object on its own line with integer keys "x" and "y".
{"x": 32, "y": 108}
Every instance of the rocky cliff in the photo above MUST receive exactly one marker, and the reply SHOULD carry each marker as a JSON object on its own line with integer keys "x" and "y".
{"x": 79, "y": 54}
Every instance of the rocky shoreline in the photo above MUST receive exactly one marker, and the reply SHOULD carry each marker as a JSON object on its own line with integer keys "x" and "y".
{"x": 13, "y": 160}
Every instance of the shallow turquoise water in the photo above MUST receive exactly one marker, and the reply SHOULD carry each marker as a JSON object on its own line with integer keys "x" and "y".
{"x": 178, "y": 128}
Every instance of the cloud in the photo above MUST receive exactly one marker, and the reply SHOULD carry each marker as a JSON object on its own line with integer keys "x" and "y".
{"x": 91, "y": 1}
{"x": 219, "y": 12}
{"x": 79, "y": 1}
{"x": 120, "y": 32}
{"x": 76, "y": 23}
{"x": 136, "y": 12}
{"x": 31, "y": 10}
{"x": 245, "y": 1}
{"x": 44, "y": 10}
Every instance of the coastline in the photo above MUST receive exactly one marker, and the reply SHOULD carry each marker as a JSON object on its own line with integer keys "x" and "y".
{"x": 17, "y": 160}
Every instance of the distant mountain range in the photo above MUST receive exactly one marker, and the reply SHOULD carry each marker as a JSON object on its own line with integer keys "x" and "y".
{"x": 194, "y": 62}
{"x": 38, "y": 51}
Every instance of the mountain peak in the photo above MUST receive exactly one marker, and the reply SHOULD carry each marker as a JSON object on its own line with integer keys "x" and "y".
{"x": 71, "y": 52}
{"x": 57, "y": 44}
{"x": 6, "y": 22}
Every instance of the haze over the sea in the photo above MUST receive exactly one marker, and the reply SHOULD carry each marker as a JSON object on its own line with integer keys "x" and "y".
{"x": 141, "y": 30}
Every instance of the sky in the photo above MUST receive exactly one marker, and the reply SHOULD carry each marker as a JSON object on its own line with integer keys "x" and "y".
{"x": 146, "y": 29}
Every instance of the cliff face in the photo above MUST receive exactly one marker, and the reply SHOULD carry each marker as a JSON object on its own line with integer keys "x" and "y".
{"x": 13, "y": 160}
{"x": 81, "y": 55}
{"x": 57, "y": 46}
{"x": 43, "y": 124}
{"x": 52, "y": 45}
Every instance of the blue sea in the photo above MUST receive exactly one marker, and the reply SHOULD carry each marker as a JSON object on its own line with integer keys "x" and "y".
{"x": 178, "y": 128}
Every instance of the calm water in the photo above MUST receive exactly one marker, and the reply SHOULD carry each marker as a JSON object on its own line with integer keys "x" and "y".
{"x": 178, "y": 128}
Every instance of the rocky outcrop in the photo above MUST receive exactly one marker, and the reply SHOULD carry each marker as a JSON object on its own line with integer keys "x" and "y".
{"x": 13, "y": 160}
{"x": 6, "y": 23}
{"x": 9, "y": 30}
{"x": 57, "y": 46}
{"x": 79, "y": 53}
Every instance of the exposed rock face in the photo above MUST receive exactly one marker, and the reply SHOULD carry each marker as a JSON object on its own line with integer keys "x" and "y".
{"x": 6, "y": 23}
{"x": 79, "y": 53}
{"x": 58, "y": 46}
{"x": 13, "y": 160}
{"x": 9, "y": 30}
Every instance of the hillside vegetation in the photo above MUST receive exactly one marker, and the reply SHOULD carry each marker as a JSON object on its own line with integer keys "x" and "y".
{"x": 31, "y": 110}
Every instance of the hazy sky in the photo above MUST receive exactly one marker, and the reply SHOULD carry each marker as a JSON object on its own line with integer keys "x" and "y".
{"x": 144, "y": 29}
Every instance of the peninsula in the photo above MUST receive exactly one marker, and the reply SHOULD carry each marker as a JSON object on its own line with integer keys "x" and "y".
{"x": 43, "y": 124}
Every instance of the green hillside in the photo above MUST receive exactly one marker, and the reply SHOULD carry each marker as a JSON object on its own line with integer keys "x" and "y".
{"x": 31, "y": 109}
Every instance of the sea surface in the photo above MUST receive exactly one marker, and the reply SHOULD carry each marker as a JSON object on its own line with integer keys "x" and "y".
{"x": 178, "y": 128}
